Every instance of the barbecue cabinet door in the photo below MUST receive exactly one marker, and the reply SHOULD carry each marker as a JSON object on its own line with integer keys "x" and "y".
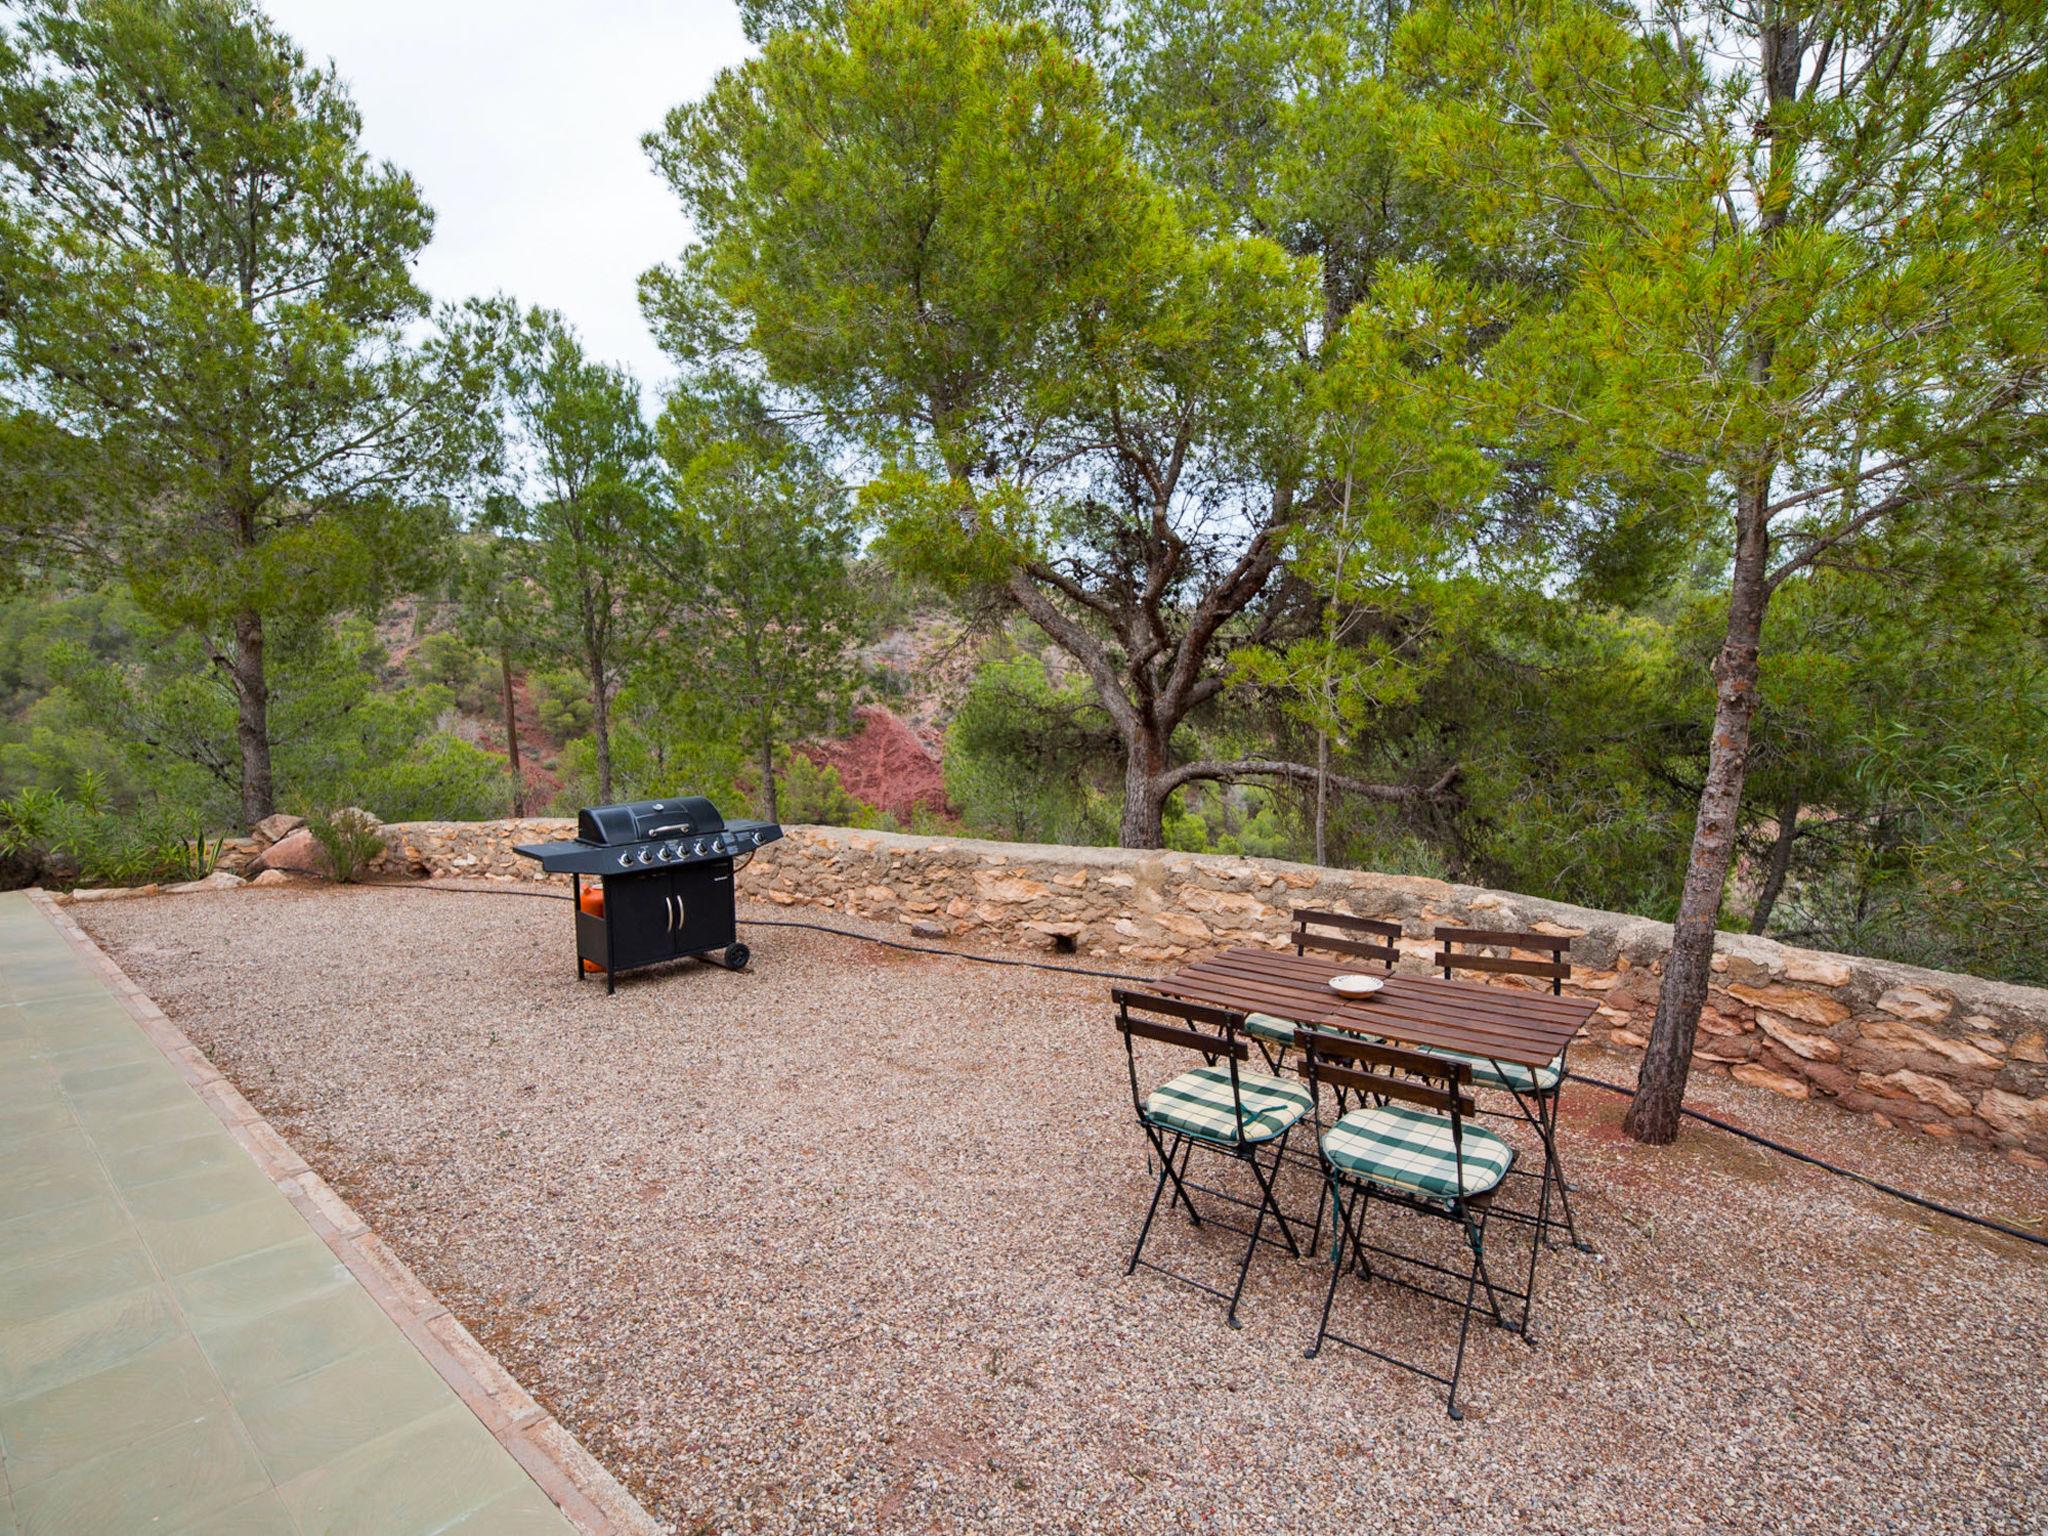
{"x": 641, "y": 910}
{"x": 705, "y": 892}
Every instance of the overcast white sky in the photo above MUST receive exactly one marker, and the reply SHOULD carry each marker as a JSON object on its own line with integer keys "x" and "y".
{"x": 521, "y": 120}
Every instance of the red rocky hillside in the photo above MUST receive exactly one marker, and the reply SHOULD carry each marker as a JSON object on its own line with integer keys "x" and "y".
{"x": 887, "y": 762}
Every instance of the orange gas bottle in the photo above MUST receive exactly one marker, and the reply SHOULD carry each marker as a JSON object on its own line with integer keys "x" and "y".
{"x": 592, "y": 901}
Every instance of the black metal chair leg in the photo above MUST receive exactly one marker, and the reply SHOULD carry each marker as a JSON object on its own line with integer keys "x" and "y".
{"x": 1464, "y": 1329}
{"x": 1251, "y": 1247}
{"x": 1315, "y": 1227}
{"x": 1180, "y": 1190}
{"x": 1269, "y": 1198}
{"x": 1350, "y": 1222}
{"x": 1151, "y": 1211}
{"x": 1338, "y": 1226}
{"x": 1476, "y": 1236}
{"x": 1535, "y": 1250}
{"x": 1355, "y": 1221}
{"x": 1546, "y": 1127}
{"x": 1543, "y": 1120}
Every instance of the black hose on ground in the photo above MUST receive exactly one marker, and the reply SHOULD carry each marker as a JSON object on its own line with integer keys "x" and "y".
{"x": 787, "y": 922}
{"x": 955, "y": 954}
{"x": 1704, "y": 1118}
{"x": 1846, "y": 1173}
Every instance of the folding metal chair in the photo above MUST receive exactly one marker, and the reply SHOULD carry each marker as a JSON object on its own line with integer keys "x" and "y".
{"x": 1534, "y": 1090}
{"x": 1219, "y": 1108}
{"x": 1275, "y": 1034}
{"x": 1426, "y": 1158}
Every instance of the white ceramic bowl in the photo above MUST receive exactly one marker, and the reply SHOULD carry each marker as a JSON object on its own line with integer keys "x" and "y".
{"x": 1356, "y": 986}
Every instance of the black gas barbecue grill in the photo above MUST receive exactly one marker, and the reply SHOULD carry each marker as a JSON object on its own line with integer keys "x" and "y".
{"x": 665, "y": 868}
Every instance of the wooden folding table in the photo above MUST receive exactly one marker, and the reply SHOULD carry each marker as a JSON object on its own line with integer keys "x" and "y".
{"x": 1504, "y": 1024}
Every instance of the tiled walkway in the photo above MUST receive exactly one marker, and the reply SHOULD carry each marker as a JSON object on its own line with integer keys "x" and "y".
{"x": 179, "y": 1352}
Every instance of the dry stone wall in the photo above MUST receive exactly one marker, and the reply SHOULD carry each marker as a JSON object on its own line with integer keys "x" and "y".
{"x": 1950, "y": 1055}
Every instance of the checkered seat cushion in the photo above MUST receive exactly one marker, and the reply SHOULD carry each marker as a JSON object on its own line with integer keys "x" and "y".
{"x": 1200, "y": 1104}
{"x": 1487, "y": 1073}
{"x": 1410, "y": 1149}
{"x": 1269, "y": 1027}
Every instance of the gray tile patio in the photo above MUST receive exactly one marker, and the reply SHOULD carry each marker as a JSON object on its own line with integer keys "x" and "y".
{"x": 179, "y": 1352}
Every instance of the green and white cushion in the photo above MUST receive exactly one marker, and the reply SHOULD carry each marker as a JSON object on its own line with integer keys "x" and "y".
{"x": 1200, "y": 1104}
{"x": 1411, "y": 1150}
{"x": 1488, "y": 1073}
{"x": 1269, "y": 1027}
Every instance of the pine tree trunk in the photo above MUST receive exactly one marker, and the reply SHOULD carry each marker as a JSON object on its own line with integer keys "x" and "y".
{"x": 1780, "y": 864}
{"x": 601, "y": 729}
{"x": 1144, "y": 819}
{"x": 252, "y": 718}
{"x": 512, "y": 735}
{"x": 1654, "y": 1112}
{"x": 1322, "y": 795}
{"x": 769, "y": 788}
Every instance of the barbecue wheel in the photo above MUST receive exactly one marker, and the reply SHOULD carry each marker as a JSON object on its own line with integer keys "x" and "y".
{"x": 737, "y": 956}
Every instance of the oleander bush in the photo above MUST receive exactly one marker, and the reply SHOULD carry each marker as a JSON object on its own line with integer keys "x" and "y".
{"x": 82, "y": 838}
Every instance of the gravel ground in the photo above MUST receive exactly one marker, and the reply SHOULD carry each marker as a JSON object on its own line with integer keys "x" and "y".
{"x": 838, "y": 1245}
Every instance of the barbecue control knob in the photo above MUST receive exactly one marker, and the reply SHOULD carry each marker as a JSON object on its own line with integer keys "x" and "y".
{"x": 625, "y": 858}
{"x": 645, "y": 855}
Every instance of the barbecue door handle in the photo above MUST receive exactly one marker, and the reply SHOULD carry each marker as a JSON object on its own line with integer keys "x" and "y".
{"x": 675, "y": 916}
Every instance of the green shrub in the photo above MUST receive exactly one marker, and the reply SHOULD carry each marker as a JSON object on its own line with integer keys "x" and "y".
{"x": 562, "y": 700}
{"x": 928, "y": 822}
{"x": 441, "y": 778}
{"x": 81, "y": 838}
{"x": 1025, "y": 757}
{"x": 453, "y": 663}
{"x": 385, "y": 753}
{"x": 349, "y": 839}
{"x": 176, "y": 848}
{"x": 811, "y": 793}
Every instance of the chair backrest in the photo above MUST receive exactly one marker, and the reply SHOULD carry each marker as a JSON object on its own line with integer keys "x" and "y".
{"x": 1555, "y": 966}
{"x": 1352, "y": 1063}
{"x": 1212, "y": 1032}
{"x": 1307, "y": 920}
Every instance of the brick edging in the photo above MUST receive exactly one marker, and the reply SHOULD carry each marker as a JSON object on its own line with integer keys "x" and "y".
{"x": 589, "y": 1497}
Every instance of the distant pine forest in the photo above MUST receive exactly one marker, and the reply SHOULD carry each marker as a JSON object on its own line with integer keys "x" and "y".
{"x": 1587, "y": 454}
{"x": 1890, "y": 836}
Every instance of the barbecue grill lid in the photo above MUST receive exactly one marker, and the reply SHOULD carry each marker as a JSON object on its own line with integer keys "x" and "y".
{"x": 609, "y": 826}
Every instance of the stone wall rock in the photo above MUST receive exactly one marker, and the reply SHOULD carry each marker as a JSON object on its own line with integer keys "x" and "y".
{"x": 297, "y": 851}
{"x": 473, "y": 850}
{"x": 1951, "y": 1055}
{"x": 273, "y": 829}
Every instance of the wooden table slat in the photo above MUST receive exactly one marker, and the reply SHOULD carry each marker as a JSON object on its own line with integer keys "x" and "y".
{"x": 1476, "y": 999}
{"x": 1528, "y": 999}
{"x": 1503, "y": 1023}
{"x": 1396, "y": 1002}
